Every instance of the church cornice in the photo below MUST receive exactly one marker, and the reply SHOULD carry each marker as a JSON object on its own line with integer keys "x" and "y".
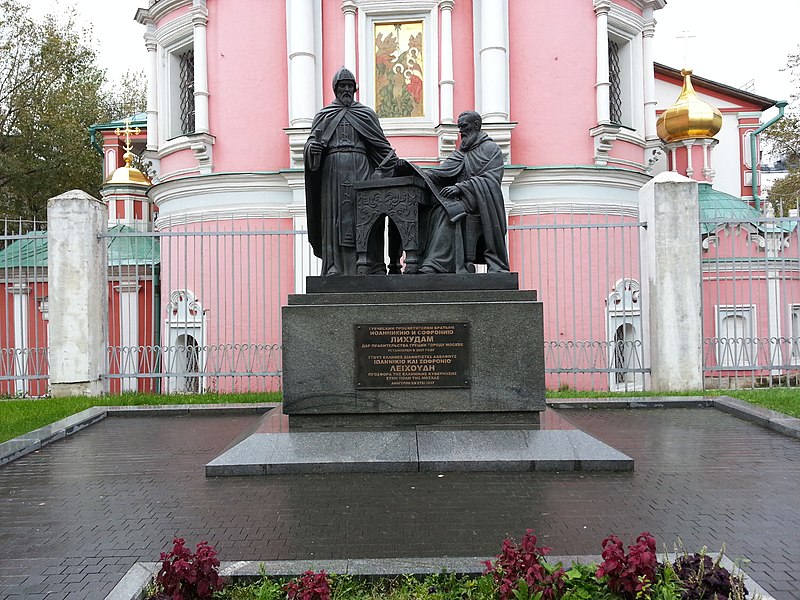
{"x": 159, "y": 10}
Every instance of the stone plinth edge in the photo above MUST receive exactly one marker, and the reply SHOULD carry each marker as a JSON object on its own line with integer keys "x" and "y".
{"x": 439, "y": 282}
{"x": 134, "y": 583}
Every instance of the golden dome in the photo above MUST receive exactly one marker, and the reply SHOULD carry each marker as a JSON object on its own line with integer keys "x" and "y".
{"x": 128, "y": 174}
{"x": 690, "y": 117}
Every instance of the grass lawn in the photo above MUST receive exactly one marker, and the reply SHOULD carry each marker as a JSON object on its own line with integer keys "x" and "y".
{"x": 21, "y": 416}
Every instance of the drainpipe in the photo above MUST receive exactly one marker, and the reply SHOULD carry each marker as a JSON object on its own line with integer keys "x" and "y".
{"x": 781, "y": 104}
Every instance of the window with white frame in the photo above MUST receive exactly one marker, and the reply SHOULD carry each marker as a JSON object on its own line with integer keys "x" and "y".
{"x": 625, "y": 69}
{"x": 794, "y": 333}
{"x": 398, "y": 65}
{"x": 736, "y": 336}
{"x": 180, "y": 91}
{"x": 186, "y": 90}
{"x": 175, "y": 42}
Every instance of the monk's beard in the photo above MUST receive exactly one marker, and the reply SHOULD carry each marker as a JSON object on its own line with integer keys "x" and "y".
{"x": 346, "y": 99}
{"x": 468, "y": 140}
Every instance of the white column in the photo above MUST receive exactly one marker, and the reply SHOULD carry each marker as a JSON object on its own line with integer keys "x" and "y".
{"x": 446, "y": 83}
{"x": 302, "y": 62}
{"x": 349, "y": 10}
{"x": 152, "y": 89}
{"x": 774, "y": 244}
{"x": 20, "y": 292}
{"x": 493, "y": 54}
{"x": 601, "y": 9}
{"x": 671, "y": 283}
{"x": 200, "y": 21}
{"x": 77, "y": 269}
{"x": 129, "y": 332}
{"x": 649, "y": 76}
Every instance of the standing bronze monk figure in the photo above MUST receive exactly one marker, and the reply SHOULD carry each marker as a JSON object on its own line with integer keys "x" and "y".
{"x": 346, "y": 145}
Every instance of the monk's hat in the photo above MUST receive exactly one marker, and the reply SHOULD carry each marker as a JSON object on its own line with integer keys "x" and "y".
{"x": 343, "y": 74}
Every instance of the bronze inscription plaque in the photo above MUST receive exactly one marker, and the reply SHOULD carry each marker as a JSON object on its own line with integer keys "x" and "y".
{"x": 433, "y": 355}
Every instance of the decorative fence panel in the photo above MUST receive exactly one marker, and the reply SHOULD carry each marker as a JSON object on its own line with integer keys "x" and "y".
{"x": 584, "y": 265}
{"x": 751, "y": 302}
{"x": 23, "y": 309}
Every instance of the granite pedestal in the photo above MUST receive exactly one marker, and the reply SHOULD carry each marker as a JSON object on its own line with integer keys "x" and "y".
{"x": 491, "y": 375}
{"x": 413, "y": 373}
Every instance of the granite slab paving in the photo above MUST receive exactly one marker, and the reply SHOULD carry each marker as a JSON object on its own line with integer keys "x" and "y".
{"x": 318, "y": 452}
{"x": 115, "y": 494}
{"x": 424, "y": 450}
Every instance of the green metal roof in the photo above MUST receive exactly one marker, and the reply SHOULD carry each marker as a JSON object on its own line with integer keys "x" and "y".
{"x": 29, "y": 251}
{"x": 718, "y": 207}
{"x": 135, "y": 249}
{"x": 123, "y": 250}
{"x": 137, "y": 120}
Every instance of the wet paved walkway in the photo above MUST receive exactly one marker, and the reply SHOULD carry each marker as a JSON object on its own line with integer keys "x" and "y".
{"x": 77, "y": 514}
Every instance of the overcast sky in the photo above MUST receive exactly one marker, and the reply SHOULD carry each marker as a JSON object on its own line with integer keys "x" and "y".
{"x": 735, "y": 41}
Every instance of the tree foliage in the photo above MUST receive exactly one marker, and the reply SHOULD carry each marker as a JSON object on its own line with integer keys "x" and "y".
{"x": 51, "y": 91}
{"x": 784, "y": 140}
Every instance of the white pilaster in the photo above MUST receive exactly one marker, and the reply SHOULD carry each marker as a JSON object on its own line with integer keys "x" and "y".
{"x": 129, "y": 332}
{"x": 199, "y": 22}
{"x": 671, "y": 283}
{"x": 601, "y": 10}
{"x": 20, "y": 293}
{"x": 302, "y": 62}
{"x": 493, "y": 53}
{"x": 152, "y": 88}
{"x": 78, "y": 293}
{"x": 446, "y": 82}
{"x": 774, "y": 244}
{"x": 649, "y": 76}
{"x": 349, "y": 10}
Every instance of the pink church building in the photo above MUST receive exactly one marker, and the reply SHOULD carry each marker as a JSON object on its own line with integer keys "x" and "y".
{"x": 569, "y": 91}
{"x": 573, "y": 106}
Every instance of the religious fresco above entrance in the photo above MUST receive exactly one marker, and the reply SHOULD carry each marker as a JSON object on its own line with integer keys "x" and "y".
{"x": 399, "y": 67}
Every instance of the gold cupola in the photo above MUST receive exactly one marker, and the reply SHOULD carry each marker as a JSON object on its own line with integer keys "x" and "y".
{"x": 690, "y": 117}
{"x": 128, "y": 174}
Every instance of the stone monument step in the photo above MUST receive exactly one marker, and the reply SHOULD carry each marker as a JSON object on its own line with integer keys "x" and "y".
{"x": 412, "y": 283}
{"x": 417, "y": 450}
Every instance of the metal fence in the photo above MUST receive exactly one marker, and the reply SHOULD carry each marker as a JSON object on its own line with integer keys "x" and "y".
{"x": 751, "y": 302}
{"x": 23, "y": 309}
{"x": 584, "y": 265}
{"x": 196, "y": 305}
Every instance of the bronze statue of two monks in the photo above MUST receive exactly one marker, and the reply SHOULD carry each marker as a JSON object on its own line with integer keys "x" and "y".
{"x": 458, "y": 221}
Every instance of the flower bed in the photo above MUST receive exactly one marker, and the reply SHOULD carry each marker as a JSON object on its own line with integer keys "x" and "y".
{"x": 519, "y": 572}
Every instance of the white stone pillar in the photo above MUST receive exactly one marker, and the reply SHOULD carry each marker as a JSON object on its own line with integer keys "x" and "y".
{"x": 349, "y": 9}
{"x": 603, "y": 85}
{"x": 671, "y": 283}
{"x": 152, "y": 88}
{"x": 649, "y": 76}
{"x": 446, "y": 82}
{"x": 774, "y": 245}
{"x": 129, "y": 332}
{"x": 78, "y": 293}
{"x": 20, "y": 293}
{"x": 200, "y": 21}
{"x": 302, "y": 62}
{"x": 493, "y": 54}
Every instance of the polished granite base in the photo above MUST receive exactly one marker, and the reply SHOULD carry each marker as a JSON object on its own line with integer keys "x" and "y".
{"x": 417, "y": 450}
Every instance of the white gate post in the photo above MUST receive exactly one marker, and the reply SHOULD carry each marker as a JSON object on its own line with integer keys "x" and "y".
{"x": 671, "y": 283}
{"x": 78, "y": 294}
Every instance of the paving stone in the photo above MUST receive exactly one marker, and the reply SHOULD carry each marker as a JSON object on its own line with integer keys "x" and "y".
{"x": 129, "y": 485}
